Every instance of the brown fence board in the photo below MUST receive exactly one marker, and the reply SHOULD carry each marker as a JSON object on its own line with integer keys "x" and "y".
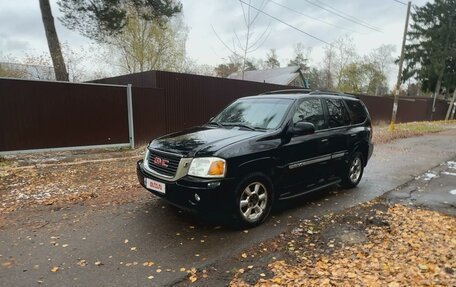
{"x": 36, "y": 114}
{"x": 148, "y": 114}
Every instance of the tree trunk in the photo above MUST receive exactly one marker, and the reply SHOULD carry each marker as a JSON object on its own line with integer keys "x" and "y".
{"x": 60, "y": 71}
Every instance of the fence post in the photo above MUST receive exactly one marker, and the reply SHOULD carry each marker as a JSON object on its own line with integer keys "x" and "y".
{"x": 131, "y": 131}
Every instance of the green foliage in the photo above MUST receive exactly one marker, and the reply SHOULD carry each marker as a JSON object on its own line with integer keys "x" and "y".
{"x": 432, "y": 44}
{"x": 361, "y": 77}
{"x": 98, "y": 19}
{"x": 149, "y": 45}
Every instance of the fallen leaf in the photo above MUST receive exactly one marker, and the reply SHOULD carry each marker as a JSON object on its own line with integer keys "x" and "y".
{"x": 54, "y": 269}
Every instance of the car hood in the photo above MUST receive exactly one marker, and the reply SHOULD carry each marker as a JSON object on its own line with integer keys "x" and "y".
{"x": 201, "y": 141}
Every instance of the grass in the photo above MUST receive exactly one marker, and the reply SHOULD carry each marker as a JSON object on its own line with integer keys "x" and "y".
{"x": 382, "y": 134}
{"x": 4, "y": 162}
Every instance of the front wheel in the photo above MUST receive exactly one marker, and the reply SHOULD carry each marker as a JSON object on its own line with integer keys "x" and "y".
{"x": 354, "y": 171}
{"x": 254, "y": 197}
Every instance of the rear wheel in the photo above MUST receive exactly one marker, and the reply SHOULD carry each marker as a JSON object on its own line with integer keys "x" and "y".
{"x": 354, "y": 171}
{"x": 254, "y": 197}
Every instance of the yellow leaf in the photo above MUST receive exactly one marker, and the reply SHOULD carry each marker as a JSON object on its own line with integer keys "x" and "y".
{"x": 193, "y": 278}
{"x": 244, "y": 255}
{"x": 54, "y": 269}
{"x": 277, "y": 280}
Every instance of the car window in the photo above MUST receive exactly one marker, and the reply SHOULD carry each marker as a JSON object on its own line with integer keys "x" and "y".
{"x": 310, "y": 110}
{"x": 357, "y": 111}
{"x": 255, "y": 113}
{"x": 337, "y": 113}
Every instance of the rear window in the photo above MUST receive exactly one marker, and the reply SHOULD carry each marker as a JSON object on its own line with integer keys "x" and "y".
{"x": 357, "y": 111}
{"x": 338, "y": 115}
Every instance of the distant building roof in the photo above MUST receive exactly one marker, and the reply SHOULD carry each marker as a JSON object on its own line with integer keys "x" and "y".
{"x": 279, "y": 76}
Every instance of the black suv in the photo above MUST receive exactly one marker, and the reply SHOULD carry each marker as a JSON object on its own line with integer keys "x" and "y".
{"x": 259, "y": 149}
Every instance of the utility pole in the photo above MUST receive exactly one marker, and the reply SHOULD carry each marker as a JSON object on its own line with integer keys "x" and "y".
{"x": 447, "y": 117}
{"x": 399, "y": 74}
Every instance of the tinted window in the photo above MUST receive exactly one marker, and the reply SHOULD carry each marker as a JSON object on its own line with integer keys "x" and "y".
{"x": 338, "y": 115}
{"x": 310, "y": 110}
{"x": 357, "y": 112}
{"x": 255, "y": 113}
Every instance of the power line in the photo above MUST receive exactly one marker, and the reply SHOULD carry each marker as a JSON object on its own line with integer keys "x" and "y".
{"x": 313, "y": 18}
{"x": 400, "y": 2}
{"x": 283, "y": 22}
{"x": 347, "y": 15}
{"x": 344, "y": 15}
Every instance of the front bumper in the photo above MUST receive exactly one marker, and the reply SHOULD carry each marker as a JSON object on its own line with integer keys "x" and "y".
{"x": 215, "y": 194}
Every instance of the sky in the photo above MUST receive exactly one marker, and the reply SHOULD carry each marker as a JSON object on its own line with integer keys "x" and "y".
{"x": 22, "y": 32}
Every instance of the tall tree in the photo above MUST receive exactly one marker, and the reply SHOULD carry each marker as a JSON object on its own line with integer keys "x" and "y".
{"x": 250, "y": 40}
{"x": 432, "y": 45}
{"x": 234, "y": 65}
{"x": 100, "y": 19}
{"x": 146, "y": 45}
{"x": 272, "y": 60}
{"x": 55, "y": 50}
{"x": 301, "y": 57}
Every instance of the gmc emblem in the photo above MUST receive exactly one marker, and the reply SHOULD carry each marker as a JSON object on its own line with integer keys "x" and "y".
{"x": 161, "y": 161}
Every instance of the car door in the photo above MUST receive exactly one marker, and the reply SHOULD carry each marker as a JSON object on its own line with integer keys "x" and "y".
{"x": 304, "y": 157}
{"x": 338, "y": 135}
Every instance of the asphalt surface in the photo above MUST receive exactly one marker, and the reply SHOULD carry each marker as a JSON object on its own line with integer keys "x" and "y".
{"x": 435, "y": 189}
{"x": 108, "y": 246}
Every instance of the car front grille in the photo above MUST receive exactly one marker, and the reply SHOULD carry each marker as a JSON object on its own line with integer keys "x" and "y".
{"x": 163, "y": 163}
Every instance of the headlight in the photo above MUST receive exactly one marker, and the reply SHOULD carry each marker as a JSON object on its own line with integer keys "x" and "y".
{"x": 211, "y": 167}
{"x": 146, "y": 155}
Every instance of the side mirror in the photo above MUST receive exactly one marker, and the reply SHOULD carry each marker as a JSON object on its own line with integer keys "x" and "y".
{"x": 303, "y": 128}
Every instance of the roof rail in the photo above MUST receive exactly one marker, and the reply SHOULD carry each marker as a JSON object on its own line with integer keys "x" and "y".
{"x": 289, "y": 91}
{"x": 317, "y": 92}
{"x": 308, "y": 91}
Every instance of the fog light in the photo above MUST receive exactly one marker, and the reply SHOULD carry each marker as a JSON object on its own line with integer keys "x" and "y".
{"x": 213, "y": 184}
{"x": 197, "y": 198}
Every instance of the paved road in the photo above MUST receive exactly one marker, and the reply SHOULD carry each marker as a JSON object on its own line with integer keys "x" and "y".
{"x": 172, "y": 240}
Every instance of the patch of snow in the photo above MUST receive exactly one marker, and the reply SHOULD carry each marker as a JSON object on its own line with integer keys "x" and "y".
{"x": 449, "y": 173}
{"x": 451, "y": 164}
{"x": 452, "y": 192}
{"x": 428, "y": 176}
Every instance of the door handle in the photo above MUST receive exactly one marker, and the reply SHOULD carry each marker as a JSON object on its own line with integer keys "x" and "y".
{"x": 353, "y": 135}
{"x": 324, "y": 140}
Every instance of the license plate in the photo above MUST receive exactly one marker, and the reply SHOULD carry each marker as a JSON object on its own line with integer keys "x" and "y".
{"x": 155, "y": 185}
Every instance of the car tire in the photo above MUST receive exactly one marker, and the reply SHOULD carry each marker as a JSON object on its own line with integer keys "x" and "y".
{"x": 354, "y": 171}
{"x": 254, "y": 197}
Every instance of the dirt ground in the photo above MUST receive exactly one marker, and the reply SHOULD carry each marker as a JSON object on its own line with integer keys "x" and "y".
{"x": 371, "y": 245}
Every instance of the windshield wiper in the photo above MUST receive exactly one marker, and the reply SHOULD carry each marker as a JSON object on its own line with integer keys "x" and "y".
{"x": 215, "y": 123}
{"x": 240, "y": 125}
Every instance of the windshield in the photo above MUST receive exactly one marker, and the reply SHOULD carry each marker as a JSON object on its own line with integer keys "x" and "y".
{"x": 254, "y": 113}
